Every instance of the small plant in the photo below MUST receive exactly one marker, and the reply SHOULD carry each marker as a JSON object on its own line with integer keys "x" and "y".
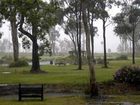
{"x": 128, "y": 74}
{"x": 100, "y": 61}
{"x": 19, "y": 63}
{"x": 122, "y": 57}
{"x": 6, "y": 59}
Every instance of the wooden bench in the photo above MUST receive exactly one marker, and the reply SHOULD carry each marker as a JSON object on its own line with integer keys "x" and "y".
{"x": 30, "y": 91}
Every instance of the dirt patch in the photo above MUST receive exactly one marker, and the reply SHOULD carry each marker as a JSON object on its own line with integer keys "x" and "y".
{"x": 104, "y": 89}
{"x": 119, "y": 88}
{"x": 8, "y": 89}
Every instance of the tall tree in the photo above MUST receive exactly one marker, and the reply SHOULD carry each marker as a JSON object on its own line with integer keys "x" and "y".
{"x": 104, "y": 16}
{"x": 127, "y": 23}
{"x": 39, "y": 16}
{"x": 53, "y": 35}
{"x": 8, "y": 9}
{"x": 74, "y": 10}
{"x": 93, "y": 14}
{"x": 70, "y": 30}
{"x": 93, "y": 85}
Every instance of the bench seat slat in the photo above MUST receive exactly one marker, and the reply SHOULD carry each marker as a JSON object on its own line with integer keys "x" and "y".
{"x": 31, "y": 95}
{"x": 30, "y": 91}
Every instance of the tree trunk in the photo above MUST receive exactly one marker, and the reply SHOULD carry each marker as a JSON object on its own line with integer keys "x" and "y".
{"x": 53, "y": 48}
{"x": 92, "y": 46}
{"x": 14, "y": 39}
{"x": 33, "y": 37}
{"x": 78, "y": 19}
{"x": 92, "y": 36}
{"x": 104, "y": 38}
{"x": 93, "y": 85}
{"x": 75, "y": 51}
{"x": 133, "y": 44}
{"x": 35, "y": 56}
{"x": 79, "y": 42}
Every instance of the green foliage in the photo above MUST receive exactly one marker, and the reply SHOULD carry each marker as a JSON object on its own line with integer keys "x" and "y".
{"x": 128, "y": 74}
{"x": 122, "y": 57}
{"x": 19, "y": 63}
{"x": 60, "y": 60}
{"x": 6, "y": 59}
{"x": 100, "y": 61}
{"x": 73, "y": 59}
{"x": 42, "y": 19}
{"x": 126, "y": 21}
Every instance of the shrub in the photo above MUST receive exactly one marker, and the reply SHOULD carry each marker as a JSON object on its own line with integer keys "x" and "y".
{"x": 74, "y": 60}
{"x": 122, "y": 57}
{"x": 1, "y": 61}
{"x": 19, "y": 63}
{"x": 101, "y": 61}
{"x": 6, "y": 59}
{"x": 128, "y": 74}
{"x": 60, "y": 59}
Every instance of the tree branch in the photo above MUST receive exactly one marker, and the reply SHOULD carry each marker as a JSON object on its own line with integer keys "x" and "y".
{"x": 22, "y": 30}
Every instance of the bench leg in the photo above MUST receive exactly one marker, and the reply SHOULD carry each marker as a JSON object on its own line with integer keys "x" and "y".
{"x": 42, "y": 98}
{"x": 19, "y": 98}
{"x": 42, "y": 95}
{"x": 19, "y": 92}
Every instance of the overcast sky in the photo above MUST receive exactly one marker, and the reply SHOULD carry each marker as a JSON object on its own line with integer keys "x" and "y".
{"x": 112, "y": 40}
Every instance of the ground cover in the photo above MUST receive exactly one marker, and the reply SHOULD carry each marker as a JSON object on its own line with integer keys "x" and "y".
{"x": 68, "y": 76}
{"x": 59, "y": 74}
{"x": 75, "y": 100}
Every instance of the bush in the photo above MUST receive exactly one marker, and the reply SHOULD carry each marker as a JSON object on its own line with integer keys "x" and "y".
{"x": 101, "y": 61}
{"x": 60, "y": 59}
{"x": 6, "y": 59}
{"x": 19, "y": 63}
{"x": 128, "y": 74}
{"x": 122, "y": 57}
{"x": 1, "y": 61}
{"x": 74, "y": 60}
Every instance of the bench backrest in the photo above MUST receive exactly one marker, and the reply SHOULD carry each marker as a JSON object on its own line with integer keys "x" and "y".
{"x": 30, "y": 90}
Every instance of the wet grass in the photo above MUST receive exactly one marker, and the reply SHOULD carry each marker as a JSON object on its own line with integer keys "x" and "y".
{"x": 65, "y": 75}
{"x": 60, "y": 74}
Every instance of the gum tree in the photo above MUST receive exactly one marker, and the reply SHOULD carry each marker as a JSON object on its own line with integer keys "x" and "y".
{"x": 8, "y": 9}
{"x": 127, "y": 23}
{"x": 85, "y": 18}
{"x": 36, "y": 18}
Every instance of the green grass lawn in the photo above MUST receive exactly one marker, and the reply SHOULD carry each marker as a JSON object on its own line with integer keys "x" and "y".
{"x": 67, "y": 75}
{"x": 60, "y": 74}
{"x": 55, "y": 75}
